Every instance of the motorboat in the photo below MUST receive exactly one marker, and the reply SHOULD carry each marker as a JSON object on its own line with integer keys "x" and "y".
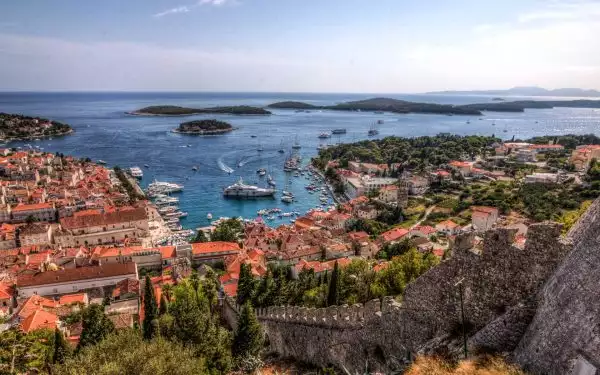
{"x": 241, "y": 190}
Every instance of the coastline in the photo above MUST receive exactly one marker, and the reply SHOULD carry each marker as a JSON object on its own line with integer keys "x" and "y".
{"x": 32, "y": 138}
{"x": 204, "y": 132}
{"x": 146, "y": 114}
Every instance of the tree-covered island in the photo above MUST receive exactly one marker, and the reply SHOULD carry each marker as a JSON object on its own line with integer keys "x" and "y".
{"x": 173, "y": 110}
{"x": 204, "y": 127}
{"x": 18, "y": 127}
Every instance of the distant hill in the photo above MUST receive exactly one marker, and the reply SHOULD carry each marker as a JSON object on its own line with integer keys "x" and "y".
{"x": 172, "y": 110}
{"x": 520, "y": 106}
{"x": 384, "y": 105}
{"x": 526, "y": 91}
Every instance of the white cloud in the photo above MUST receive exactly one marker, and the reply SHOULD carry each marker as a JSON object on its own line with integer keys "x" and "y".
{"x": 563, "y": 11}
{"x": 188, "y": 8}
{"x": 179, "y": 9}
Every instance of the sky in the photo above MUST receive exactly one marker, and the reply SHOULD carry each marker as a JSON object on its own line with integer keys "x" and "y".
{"x": 362, "y": 46}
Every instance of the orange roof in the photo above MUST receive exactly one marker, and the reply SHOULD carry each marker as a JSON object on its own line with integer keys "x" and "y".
{"x": 167, "y": 252}
{"x": 394, "y": 234}
{"x": 459, "y": 164}
{"x": 105, "y": 252}
{"x": 6, "y": 291}
{"x": 230, "y": 289}
{"x": 214, "y": 247}
{"x": 381, "y": 266}
{"x": 357, "y": 236}
{"x": 425, "y": 229}
{"x": 447, "y": 224}
{"x": 34, "y": 303}
{"x": 31, "y": 207}
{"x": 38, "y": 320}
{"x": 69, "y": 299}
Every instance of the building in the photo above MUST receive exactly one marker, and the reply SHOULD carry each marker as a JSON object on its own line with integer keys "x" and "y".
{"x": 7, "y": 237}
{"x": 357, "y": 186}
{"x": 417, "y": 185}
{"x": 483, "y": 218}
{"x": 583, "y": 155}
{"x": 447, "y": 227}
{"x": 541, "y": 178}
{"x": 389, "y": 194}
{"x": 97, "y": 227}
{"x": 39, "y": 211}
{"x": 394, "y": 235}
{"x": 74, "y": 280}
{"x": 35, "y": 234}
{"x": 210, "y": 252}
{"x": 462, "y": 167}
{"x": 525, "y": 155}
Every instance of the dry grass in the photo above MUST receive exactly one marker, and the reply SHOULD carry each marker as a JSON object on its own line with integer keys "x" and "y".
{"x": 482, "y": 366}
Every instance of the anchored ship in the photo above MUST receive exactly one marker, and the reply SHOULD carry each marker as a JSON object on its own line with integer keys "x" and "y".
{"x": 241, "y": 190}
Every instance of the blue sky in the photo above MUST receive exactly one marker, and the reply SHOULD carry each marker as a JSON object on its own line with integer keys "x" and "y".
{"x": 298, "y": 45}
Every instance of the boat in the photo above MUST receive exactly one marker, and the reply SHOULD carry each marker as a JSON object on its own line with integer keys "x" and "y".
{"x": 378, "y": 112}
{"x": 260, "y": 148}
{"x": 380, "y": 122}
{"x": 101, "y": 162}
{"x": 281, "y": 150}
{"x": 146, "y": 166}
{"x": 296, "y": 145}
{"x": 136, "y": 172}
{"x": 324, "y": 135}
{"x": 253, "y": 136}
{"x": 241, "y": 190}
{"x": 372, "y": 132}
{"x": 166, "y": 201}
{"x": 468, "y": 122}
{"x": 209, "y": 216}
{"x": 159, "y": 187}
{"x": 270, "y": 180}
{"x": 287, "y": 193}
{"x": 287, "y": 199}
{"x": 338, "y": 131}
{"x": 261, "y": 172}
{"x": 195, "y": 168}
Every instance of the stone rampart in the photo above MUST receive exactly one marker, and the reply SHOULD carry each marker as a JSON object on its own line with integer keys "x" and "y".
{"x": 382, "y": 334}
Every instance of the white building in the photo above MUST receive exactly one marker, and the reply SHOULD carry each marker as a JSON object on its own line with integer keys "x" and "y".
{"x": 542, "y": 178}
{"x": 74, "y": 280}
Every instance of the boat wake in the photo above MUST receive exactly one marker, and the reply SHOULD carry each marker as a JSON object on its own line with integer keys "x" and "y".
{"x": 223, "y": 166}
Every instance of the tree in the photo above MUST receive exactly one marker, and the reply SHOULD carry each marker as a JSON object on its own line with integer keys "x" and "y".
{"x": 245, "y": 284}
{"x": 164, "y": 305}
{"x": 200, "y": 237}
{"x": 150, "y": 309}
{"x": 333, "y": 294}
{"x": 248, "y": 338}
{"x": 25, "y": 353}
{"x": 61, "y": 348}
{"x": 96, "y": 326}
{"x": 144, "y": 357}
{"x": 228, "y": 230}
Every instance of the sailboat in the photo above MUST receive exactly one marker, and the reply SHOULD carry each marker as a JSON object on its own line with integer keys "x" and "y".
{"x": 373, "y": 131}
{"x": 281, "y": 150}
{"x": 260, "y": 148}
{"x": 296, "y": 145}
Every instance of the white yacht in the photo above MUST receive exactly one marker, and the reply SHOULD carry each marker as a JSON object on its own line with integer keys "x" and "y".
{"x": 164, "y": 187}
{"x": 136, "y": 172}
{"x": 241, "y": 190}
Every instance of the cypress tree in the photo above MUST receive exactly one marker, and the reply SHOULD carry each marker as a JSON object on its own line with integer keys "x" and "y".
{"x": 61, "y": 348}
{"x": 150, "y": 309}
{"x": 334, "y": 286}
{"x": 245, "y": 284}
{"x": 248, "y": 338}
{"x": 164, "y": 307}
{"x": 96, "y": 326}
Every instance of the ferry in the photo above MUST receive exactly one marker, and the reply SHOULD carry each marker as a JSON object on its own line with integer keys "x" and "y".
{"x": 241, "y": 190}
{"x": 338, "y": 131}
{"x": 136, "y": 172}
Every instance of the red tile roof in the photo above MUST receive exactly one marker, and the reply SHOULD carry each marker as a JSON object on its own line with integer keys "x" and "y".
{"x": 394, "y": 234}
{"x": 76, "y": 274}
{"x": 114, "y": 217}
{"x": 214, "y": 247}
{"x": 230, "y": 289}
{"x": 31, "y": 207}
{"x": 485, "y": 209}
{"x": 38, "y": 320}
{"x": 69, "y": 299}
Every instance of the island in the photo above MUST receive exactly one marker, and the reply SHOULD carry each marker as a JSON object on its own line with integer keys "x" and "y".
{"x": 521, "y": 105}
{"x": 497, "y": 99}
{"x": 173, "y": 110}
{"x": 15, "y": 127}
{"x": 204, "y": 127}
{"x": 383, "y": 105}
{"x": 526, "y": 91}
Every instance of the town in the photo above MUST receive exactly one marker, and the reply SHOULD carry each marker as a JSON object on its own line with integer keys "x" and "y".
{"x": 74, "y": 234}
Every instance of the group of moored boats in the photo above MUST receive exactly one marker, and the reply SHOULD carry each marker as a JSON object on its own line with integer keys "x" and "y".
{"x": 167, "y": 205}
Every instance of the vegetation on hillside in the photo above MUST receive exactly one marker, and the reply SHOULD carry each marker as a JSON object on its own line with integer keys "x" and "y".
{"x": 204, "y": 127}
{"x": 382, "y": 104}
{"x": 478, "y": 366}
{"x": 173, "y": 110}
{"x": 25, "y": 127}
{"x": 130, "y": 190}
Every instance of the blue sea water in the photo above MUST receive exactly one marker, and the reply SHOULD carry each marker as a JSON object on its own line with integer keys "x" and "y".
{"x": 103, "y": 131}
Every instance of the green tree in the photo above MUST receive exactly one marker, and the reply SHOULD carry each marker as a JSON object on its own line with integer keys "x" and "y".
{"x": 245, "y": 288}
{"x": 142, "y": 357}
{"x": 25, "y": 353}
{"x": 61, "y": 348}
{"x": 200, "y": 237}
{"x": 164, "y": 305}
{"x": 333, "y": 293}
{"x": 248, "y": 338}
{"x": 228, "y": 230}
{"x": 150, "y": 309}
{"x": 96, "y": 326}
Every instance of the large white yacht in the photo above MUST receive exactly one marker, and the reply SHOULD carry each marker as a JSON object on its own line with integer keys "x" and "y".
{"x": 241, "y": 190}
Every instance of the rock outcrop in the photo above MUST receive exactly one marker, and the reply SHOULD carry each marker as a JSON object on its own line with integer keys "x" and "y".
{"x": 564, "y": 336}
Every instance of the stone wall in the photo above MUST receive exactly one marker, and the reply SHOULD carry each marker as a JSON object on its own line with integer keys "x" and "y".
{"x": 564, "y": 336}
{"x": 381, "y": 336}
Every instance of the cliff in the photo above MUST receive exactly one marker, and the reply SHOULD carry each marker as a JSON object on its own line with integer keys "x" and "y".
{"x": 564, "y": 336}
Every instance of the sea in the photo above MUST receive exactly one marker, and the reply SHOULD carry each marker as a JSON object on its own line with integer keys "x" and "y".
{"x": 104, "y": 131}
